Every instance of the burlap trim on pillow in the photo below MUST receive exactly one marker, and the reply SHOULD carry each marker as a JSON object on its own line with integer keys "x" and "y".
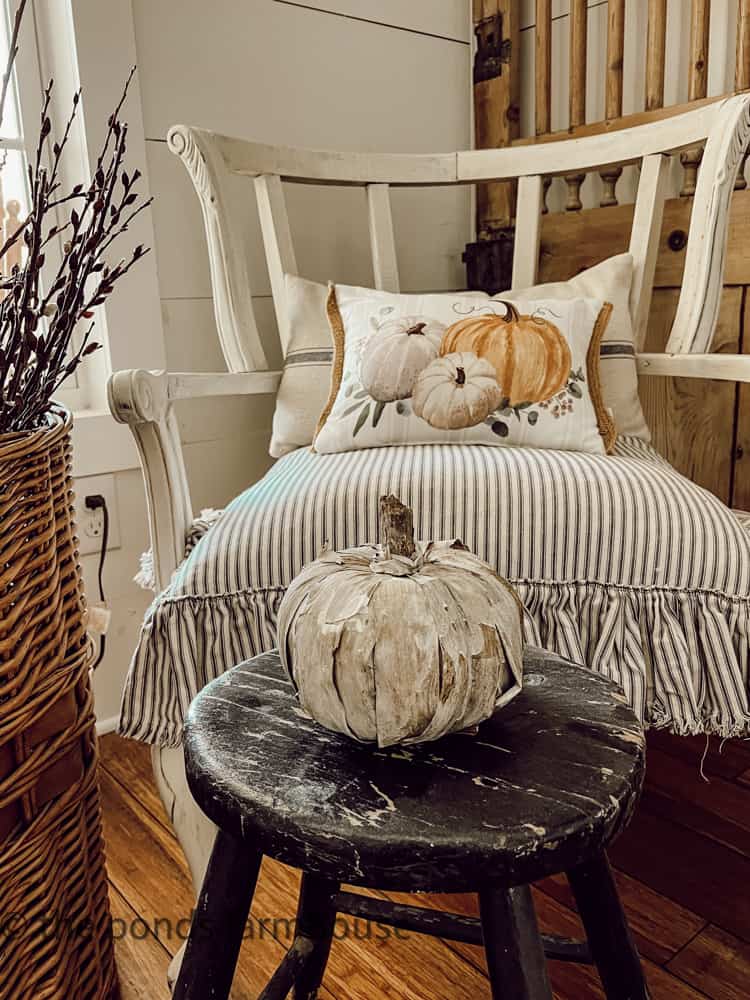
{"x": 604, "y": 419}
{"x": 337, "y": 369}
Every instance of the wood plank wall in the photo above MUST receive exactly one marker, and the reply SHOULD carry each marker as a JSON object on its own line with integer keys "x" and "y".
{"x": 702, "y": 427}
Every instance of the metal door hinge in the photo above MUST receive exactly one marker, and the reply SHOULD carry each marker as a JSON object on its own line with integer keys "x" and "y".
{"x": 492, "y": 49}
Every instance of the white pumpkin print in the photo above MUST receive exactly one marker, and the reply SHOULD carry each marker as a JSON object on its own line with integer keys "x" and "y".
{"x": 456, "y": 391}
{"x": 394, "y": 356}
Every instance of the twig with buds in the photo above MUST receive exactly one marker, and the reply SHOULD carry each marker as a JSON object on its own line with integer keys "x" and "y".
{"x": 39, "y": 318}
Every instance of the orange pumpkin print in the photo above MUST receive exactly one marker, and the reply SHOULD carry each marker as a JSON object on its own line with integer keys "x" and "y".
{"x": 529, "y": 354}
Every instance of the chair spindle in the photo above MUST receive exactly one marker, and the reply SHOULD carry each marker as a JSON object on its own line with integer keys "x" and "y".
{"x": 382, "y": 240}
{"x": 277, "y": 241}
{"x": 644, "y": 239}
{"x": 528, "y": 231}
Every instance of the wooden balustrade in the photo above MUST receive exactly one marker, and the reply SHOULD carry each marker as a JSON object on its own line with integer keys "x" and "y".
{"x": 613, "y": 88}
{"x": 697, "y": 83}
{"x": 492, "y": 117}
{"x": 543, "y": 89}
{"x": 742, "y": 69}
{"x": 742, "y": 64}
{"x": 577, "y": 102}
{"x": 656, "y": 45}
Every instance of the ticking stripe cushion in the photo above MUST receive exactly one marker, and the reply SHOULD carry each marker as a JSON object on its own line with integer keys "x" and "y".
{"x": 621, "y": 563}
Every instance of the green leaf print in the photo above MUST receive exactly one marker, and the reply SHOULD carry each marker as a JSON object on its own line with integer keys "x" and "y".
{"x": 361, "y": 419}
{"x": 377, "y": 413}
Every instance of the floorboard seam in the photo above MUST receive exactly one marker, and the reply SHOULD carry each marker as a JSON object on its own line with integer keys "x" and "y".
{"x": 161, "y": 820}
{"x": 150, "y": 934}
{"x": 687, "y": 944}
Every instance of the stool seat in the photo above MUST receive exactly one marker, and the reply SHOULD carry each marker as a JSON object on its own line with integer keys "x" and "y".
{"x": 549, "y": 780}
{"x": 541, "y": 788}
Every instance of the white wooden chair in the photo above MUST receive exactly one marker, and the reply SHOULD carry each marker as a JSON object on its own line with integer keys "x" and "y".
{"x": 144, "y": 399}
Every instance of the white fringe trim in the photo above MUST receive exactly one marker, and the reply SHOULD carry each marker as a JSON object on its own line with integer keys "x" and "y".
{"x": 206, "y": 519}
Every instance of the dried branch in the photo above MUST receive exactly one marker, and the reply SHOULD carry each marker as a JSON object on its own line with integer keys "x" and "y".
{"x": 39, "y": 320}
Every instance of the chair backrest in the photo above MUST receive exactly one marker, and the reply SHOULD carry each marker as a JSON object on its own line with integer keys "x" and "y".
{"x": 211, "y": 159}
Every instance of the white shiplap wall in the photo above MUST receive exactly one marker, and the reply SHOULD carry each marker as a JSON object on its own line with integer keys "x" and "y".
{"x": 348, "y": 74}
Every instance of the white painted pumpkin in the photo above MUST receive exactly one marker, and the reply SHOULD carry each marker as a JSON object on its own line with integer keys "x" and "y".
{"x": 456, "y": 391}
{"x": 394, "y": 356}
{"x": 391, "y": 648}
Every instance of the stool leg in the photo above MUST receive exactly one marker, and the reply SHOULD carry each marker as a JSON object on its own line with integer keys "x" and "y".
{"x": 515, "y": 957}
{"x": 219, "y": 921}
{"x": 607, "y": 930}
{"x": 316, "y": 919}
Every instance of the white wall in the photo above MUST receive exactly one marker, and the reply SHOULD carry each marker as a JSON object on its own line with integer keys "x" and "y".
{"x": 127, "y": 601}
{"x": 350, "y": 74}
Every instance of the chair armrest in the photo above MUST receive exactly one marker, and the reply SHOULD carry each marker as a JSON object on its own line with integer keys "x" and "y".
{"x": 138, "y": 396}
{"x": 144, "y": 400}
{"x": 727, "y": 367}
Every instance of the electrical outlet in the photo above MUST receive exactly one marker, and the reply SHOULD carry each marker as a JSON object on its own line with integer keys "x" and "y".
{"x": 90, "y": 523}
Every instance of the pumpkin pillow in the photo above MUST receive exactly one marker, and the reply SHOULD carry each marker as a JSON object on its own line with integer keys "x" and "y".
{"x": 427, "y": 369}
{"x": 307, "y": 367}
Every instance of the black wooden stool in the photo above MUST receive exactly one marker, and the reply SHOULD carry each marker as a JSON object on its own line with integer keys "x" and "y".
{"x": 543, "y": 788}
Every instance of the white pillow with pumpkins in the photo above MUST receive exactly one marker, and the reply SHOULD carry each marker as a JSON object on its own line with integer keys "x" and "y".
{"x": 427, "y": 369}
{"x": 305, "y": 383}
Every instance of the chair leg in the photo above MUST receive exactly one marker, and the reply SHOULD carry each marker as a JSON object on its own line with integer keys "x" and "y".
{"x": 609, "y": 937}
{"x": 515, "y": 956}
{"x": 219, "y": 920}
{"x": 316, "y": 919}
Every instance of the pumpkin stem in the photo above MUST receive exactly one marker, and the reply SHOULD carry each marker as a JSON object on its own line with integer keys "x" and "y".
{"x": 396, "y": 528}
{"x": 460, "y": 376}
{"x": 512, "y": 315}
{"x": 417, "y": 328}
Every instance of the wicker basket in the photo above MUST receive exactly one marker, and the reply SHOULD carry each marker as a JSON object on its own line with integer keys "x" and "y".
{"x": 55, "y": 927}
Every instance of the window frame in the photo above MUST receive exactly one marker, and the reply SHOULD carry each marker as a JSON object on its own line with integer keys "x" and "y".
{"x": 92, "y": 46}
{"x": 26, "y": 90}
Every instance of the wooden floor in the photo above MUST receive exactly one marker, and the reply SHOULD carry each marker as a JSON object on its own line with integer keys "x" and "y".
{"x": 683, "y": 869}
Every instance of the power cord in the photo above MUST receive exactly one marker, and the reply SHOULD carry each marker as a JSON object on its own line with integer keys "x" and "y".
{"x": 97, "y": 502}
